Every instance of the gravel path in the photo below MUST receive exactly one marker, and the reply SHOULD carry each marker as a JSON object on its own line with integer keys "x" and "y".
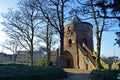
{"x": 77, "y": 75}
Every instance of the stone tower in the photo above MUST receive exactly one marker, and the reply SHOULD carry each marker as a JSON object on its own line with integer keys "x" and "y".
{"x": 77, "y": 33}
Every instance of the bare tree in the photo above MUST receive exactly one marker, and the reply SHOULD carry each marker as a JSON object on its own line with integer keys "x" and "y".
{"x": 114, "y": 13}
{"x": 98, "y": 32}
{"x": 21, "y": 25}
{"x": 13, "y": 46}
{"x": 91, "y": 11}
{"x": 53, "y": 11}
{"x": 113, "y": 7}
{"x": 47, "y": 37}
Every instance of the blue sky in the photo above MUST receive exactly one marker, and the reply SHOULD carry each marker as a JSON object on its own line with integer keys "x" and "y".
{"x": 4, "y": 6}
{"x": 108, "y": 40}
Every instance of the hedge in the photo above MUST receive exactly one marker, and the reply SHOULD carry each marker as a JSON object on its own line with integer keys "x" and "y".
{"x": 23, "y": 72}
{"x": 104, "y": 74}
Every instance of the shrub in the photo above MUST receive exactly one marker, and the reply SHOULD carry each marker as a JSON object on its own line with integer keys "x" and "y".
{"x": 12, "y": 72}
{"x": 104, "y": 75}
{"x": 42, "y": 62}
{"x": 14, "y": 64}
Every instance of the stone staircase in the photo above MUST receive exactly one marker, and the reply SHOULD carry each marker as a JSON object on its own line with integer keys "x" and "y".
{"x": 94, "y": 54}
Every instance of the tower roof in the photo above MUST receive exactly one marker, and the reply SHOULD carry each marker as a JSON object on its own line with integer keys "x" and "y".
{"x": 76, "y": 19}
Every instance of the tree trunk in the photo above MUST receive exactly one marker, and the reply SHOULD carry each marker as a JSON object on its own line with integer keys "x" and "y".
{"x": 48, "y": 44}
{"x": 14, "y": 58}
{"x": 61, "y": 50}
{"x": 98, "y": 54}
{"x": 31, "y": 55}
{"x": 61, "y": 22}
{"x": 48, "y": 57}
{"x": 98, "y": 38}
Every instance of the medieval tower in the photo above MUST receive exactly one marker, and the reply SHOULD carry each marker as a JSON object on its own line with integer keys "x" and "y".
{"x": 77, "y": 34}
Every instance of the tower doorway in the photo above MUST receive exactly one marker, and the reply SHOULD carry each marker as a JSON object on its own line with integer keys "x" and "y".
{"x": 68, "y": 60}
{"x": 68, "y": 63}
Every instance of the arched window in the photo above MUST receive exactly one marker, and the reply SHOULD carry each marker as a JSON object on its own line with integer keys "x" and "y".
{"x": 70, "y": 42}
{"x": 69, "y": 28}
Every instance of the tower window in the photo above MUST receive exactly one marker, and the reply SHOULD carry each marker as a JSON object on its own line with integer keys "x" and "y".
{"x": 69, "y": 28}
{"x": 70, "y": 42}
